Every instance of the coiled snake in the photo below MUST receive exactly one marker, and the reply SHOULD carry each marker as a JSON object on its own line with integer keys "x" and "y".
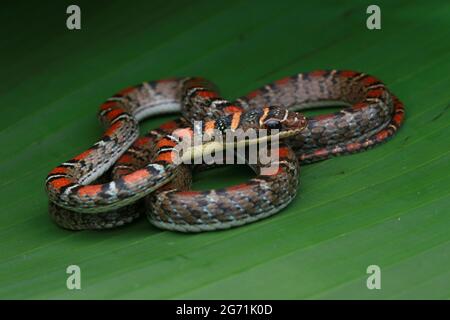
{"x": 144, "y": 167}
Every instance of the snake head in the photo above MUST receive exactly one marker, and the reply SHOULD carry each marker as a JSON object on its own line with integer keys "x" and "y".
{"x": 286, "y": 122}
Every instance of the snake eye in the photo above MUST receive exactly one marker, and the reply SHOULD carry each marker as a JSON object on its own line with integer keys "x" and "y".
{"x": 272, "y": 124}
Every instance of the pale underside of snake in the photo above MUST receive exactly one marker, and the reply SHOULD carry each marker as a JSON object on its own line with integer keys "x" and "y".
{"x": 370, "y": 115}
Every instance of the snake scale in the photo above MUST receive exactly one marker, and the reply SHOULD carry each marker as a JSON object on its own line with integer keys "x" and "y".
{"x": 145, "y": 178}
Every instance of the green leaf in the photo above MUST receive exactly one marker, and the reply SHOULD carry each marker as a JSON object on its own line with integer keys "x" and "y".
{"x": 387, "y": 207}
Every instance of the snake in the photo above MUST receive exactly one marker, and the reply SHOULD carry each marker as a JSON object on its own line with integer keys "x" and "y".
{"x": 370, "y": 115}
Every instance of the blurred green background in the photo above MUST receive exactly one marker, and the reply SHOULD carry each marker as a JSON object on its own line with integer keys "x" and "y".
{"x": 388, "y": 206}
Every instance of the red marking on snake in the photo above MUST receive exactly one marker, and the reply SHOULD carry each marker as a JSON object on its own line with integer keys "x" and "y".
{"x": 58, "y": 170}
{"x": 353, "y": 146}
{"x": 375, "y": 93}
{"x": 142, "y": 141}
{"x": 398, "y": 118}
{"x": 283, "y": 152}
{"x": 90, "y": 191}
{"x": 125, "y": 158}
{"x": 369, "y": 80}
{"x": 135, "y": 176}
{"x": 382, "y": 135}
{"x": 359, "y": 105}
{"x": 108, "y": 104}
{"x": 207, "y": 94}
{"x": 165, "y": 156}
{"x": 166, "y": 143}
{"x": 348, "y": 74}
{"x": 113, "y": 128}
{"x": 321, "y": 152}
{"x": 114, "y": 114}
{"x": 61, "y": 182}
{"x": 171, "y": 125}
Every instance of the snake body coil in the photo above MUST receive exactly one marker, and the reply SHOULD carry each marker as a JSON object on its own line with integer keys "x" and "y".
{"x": 370, "y": 116}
